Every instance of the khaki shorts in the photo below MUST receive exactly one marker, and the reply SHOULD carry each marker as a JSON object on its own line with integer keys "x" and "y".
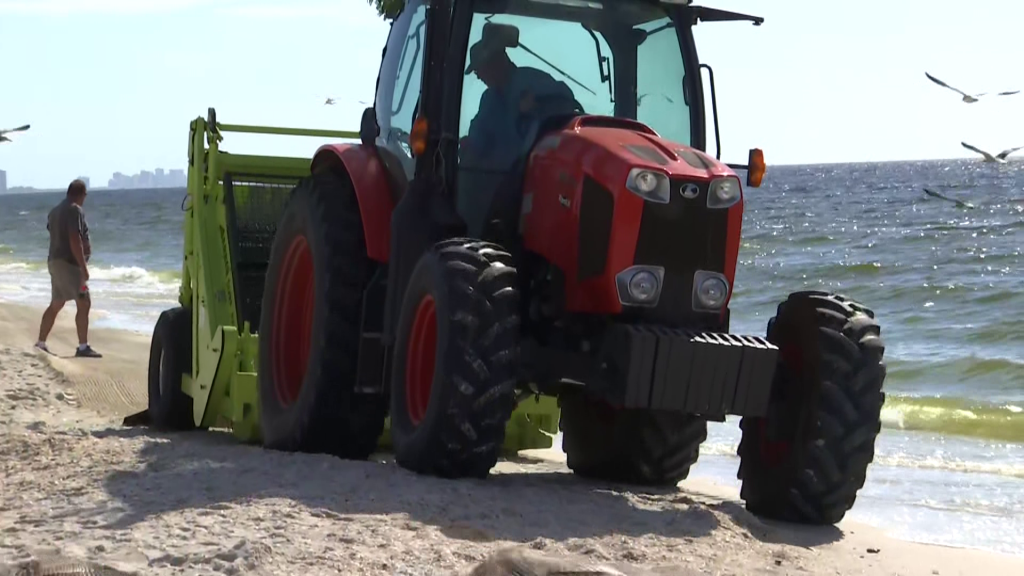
{"x": 66, "y": 281}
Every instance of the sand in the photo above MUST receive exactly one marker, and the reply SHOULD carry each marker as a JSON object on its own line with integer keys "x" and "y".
{"x": 76, "y": 483}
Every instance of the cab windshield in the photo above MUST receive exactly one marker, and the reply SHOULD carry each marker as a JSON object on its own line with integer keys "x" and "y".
{"x": 618, "y": 57}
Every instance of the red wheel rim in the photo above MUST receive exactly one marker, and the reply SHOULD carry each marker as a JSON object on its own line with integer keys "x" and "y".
{"x": 293, "y": 321}
{"x": 775, "y": 452}
{"x": 420, "y": 359}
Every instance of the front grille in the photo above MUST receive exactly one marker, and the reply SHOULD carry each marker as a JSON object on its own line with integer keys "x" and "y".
{"x": 597, "y": 207}
{"x": 683, "y": 236}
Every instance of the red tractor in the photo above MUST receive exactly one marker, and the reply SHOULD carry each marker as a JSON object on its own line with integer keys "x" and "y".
{"x": 532, "y": 211}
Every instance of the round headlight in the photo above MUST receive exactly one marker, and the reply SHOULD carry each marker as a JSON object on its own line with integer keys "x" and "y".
{"x": 645, "y": 182}
{"x": 712, "y": 292}
{"x": 727, "y": 190}
{"x": 643, "y": 286}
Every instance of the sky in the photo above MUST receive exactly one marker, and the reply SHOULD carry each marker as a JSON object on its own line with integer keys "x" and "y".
{"x": 111, "y": 85}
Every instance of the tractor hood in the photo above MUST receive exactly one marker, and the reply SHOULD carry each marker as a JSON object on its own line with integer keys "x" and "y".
{"x": 638, "y": 146}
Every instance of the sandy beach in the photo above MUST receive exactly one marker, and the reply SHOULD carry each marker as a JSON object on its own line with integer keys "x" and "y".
{"x": 76, "y": 483}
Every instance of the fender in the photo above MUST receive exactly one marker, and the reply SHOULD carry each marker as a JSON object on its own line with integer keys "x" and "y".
{"x": 369, "y": 180}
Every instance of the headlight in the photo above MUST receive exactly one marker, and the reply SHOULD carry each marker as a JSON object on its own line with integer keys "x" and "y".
{"x": 649, "y": 185}
{"x": 724, "y": 192}
{"x": 710, "y": 290}
{"x": 643, "y": 286}
{"x": 646, "y": 182}
{"x": 640, "y": 285}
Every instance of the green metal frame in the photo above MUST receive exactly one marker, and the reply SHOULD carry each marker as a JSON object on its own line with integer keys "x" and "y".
{"x": 225, "y": 355}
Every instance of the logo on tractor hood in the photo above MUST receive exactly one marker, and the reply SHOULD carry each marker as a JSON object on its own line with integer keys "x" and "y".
{"x": 689, "y": 191}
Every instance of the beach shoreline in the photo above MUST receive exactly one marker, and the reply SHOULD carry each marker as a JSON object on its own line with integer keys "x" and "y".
{"x": 77, "y": 483}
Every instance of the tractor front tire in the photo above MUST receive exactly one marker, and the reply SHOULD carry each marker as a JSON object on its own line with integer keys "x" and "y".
{"x": 642, "y": 447}
{"x": 310, "y": 326}
{"x": 170, "y": 358}
{"x": 455, "y": 362}
{"x": 807, "y": 459}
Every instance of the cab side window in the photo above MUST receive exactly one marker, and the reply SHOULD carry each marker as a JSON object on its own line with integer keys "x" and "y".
{"x": 398, "y": 81}
{"x": 406, "y": 95}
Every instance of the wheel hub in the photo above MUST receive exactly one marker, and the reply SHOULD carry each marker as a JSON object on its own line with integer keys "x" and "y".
{"x": 293, "y": 321}
{"x": 420, "y": 359}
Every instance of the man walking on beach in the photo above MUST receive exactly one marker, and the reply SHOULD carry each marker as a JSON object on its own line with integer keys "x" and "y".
{"x": 69, "y": 274}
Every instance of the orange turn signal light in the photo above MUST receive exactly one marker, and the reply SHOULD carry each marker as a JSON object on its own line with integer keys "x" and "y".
{"x": 418, "y": 136}
{"x": 755, "y": 167}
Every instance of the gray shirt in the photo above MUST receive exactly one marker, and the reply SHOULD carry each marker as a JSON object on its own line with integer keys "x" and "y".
{"x": 65, "y": 219}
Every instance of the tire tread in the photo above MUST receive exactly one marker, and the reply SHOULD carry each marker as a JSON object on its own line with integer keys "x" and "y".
{"x": 482, "y": 358}
{"x": 833, "y": 457}
{"x": 172, "y": 333}
{"x": 642, "y": 447}
{"x": 339, "y": 421}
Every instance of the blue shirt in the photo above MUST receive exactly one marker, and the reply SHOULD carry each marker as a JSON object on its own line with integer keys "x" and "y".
{"x": 496, "y": 141}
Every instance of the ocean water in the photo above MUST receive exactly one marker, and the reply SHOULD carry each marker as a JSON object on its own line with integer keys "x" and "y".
{"x": 947, "y": 285}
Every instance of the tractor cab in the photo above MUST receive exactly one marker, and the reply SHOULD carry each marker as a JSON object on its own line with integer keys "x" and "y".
{"x": 485, "y": 79}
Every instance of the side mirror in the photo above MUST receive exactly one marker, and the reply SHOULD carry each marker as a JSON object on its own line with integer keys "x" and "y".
{"x": 755, "y": 167}
{"x": 368, "y": 128}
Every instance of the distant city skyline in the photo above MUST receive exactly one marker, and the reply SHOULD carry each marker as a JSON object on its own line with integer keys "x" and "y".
{"x": 158, "y": 178}
{"x": 143, "y": 179}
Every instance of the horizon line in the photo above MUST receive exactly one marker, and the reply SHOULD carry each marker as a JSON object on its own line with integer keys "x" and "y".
{"x": 769, "y": 165}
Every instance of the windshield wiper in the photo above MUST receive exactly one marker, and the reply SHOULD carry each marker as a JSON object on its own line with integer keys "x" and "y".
{"x": 556, "y": 68}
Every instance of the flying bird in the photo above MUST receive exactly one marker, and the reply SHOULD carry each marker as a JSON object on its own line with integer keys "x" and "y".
{"x": 959, "y": 203}
{"x": 968, "y": 98}
{"x": 4, "y": 133}
{"x": 640, "y": 98}
{"x": 329, "y": 102}
{"x": 1000, "y": 158}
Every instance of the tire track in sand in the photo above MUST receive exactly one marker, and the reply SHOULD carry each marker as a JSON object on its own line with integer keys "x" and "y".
{"x": 113, "y": 386}
{"x": 110, "y": 393}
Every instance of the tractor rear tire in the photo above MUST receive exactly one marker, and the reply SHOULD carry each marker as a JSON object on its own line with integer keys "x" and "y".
{"x": 310, "y": 326}
{"x": 170, "y": 358}
{"x": 806, "y": 461}
{"x": 642, "y": 447}
{"x": 454, "y": 375}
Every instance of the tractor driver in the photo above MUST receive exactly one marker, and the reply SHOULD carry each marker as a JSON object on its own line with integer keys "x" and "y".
{"x": 497, "y": 134}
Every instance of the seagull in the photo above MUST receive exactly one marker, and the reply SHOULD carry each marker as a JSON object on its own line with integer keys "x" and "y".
{"x": 640, "y": 98}
{"x": 1000, "y": 158}
{"x": 959, "y": 203}
{"x": 968, "y": 98}
{"x": 329, "y": 102}
{"x": 4, "y": 133}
